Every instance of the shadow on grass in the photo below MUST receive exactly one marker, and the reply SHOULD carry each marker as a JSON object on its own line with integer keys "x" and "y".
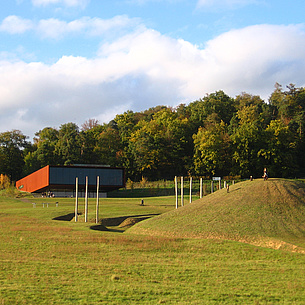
{"x": 67, "y": 217}
{"x": 231, "y": 191}
{"x": 122, "y": 223}
{"x": 103, "y": 228}
{"x": 117, "y": 221}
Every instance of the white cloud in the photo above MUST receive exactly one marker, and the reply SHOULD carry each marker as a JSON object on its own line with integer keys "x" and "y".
{"x": 16, "y": 25}
{"x": 255, "y": 57}
{"x": 225, "y": 3}
{"x": 97, "y": 26}
{"x": 16, "y": 54}
{"x": 44, "y": 2}
{"x": 68, "y": 3}
{"x": 56, "y": 29}
{"x": 143, "y": 2}
{"x": 52, "y": 28}
{"x": 145, "y": 69}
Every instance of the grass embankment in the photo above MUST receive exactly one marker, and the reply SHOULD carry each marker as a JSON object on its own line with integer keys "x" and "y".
{"x": 268, "y": 213}
{"x": 46, "y": 261}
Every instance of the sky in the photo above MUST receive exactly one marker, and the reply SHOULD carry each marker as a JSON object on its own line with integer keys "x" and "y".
{"x": 73, "y": 60}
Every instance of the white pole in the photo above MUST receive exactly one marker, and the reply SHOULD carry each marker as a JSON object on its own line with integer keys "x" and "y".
{"x": 76, "y": 199}
{"x": 212, "y": 187}
{"x": 176, "y": 191}
{"x": 191, "y": 182}
{"x": 200, "y": 187}
{"x": 97, "y": 197}
{"x": 86, "y": 201}
{"x": 182, "y": 191}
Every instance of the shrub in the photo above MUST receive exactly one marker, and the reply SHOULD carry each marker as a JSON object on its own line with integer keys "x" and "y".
{"x": 8, "y": 189}
{"x": 4, "y": 182}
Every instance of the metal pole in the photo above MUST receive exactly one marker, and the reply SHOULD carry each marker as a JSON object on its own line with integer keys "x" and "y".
{"x": 176, "y": 191}
{"x": 86, "y": 201}
{"x": 182, "y": 191}
{"x": 191, "y": 182}
{"x": 200, "y": 187}
{"x": 76, "y": 199}
{"x": 97, "y": 197}
{"x": 212, "y": 187}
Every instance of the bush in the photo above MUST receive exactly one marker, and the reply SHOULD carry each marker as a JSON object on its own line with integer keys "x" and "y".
{"x": 4, "y": 182}
{"x": 8, "y": 189}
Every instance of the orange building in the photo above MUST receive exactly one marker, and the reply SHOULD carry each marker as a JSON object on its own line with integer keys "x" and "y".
{"x": 62, "y": 178}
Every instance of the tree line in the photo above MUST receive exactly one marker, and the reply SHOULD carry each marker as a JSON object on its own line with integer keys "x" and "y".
{"x": 215, "y": 135}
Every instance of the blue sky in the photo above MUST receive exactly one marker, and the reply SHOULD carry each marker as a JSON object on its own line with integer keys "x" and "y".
{"x": 71, "y": 60}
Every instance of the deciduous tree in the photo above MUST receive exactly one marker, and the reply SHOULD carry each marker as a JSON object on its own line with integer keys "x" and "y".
{"x": 12, "y": 145}
{"x": 212, "y": 146}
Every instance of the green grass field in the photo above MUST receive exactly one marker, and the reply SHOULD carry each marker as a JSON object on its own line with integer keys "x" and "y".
{"x": 48, "y": 261}
{"x": 258, "y": 212}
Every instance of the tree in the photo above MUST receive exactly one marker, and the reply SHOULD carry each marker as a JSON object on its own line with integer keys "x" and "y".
{"x": 290, "y": 109}
{"x": 279, "y": 150}
{"x": 289, "y": 104}
{"x": 109, "y": 148}
{"x": 216, "y": 103}
{"x": 43, "y": 151}
{"x": 4, "y": 182}
{"x": 159, "y": 146}
{"x": 247, "y": 140}
{"x": 91, "y": 123}
{"x": 12, "y": 145}
{"x": 263, "y": 110}
{"x": 88, "y": 140}
{"x": 125, "y": 124}
{"x": 68, "y": 146}
{"x": 212, "y": 147}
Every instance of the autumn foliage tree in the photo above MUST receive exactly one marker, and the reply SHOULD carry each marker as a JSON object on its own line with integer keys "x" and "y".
{"x": 12, "y": 147}
{"x": 215, "y": 135}
{"x": 213, "y": 154}
{"x": 159, "y": 146}
{"x": 4, "y": 182}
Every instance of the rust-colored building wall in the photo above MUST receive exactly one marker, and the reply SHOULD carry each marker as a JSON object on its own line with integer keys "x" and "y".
{"x": 51, "y": 178}
{"x": 34, "y": 181}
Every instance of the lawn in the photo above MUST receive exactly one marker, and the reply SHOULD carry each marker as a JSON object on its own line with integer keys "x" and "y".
{"x": 47, "y": 261}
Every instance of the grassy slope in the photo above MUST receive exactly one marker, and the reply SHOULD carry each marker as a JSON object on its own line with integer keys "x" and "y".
{"x": 268, "y": 213}
{"x": 44, "y": 261}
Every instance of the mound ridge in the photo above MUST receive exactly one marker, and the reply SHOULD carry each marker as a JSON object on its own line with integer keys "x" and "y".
{"x": 266, "y": 213}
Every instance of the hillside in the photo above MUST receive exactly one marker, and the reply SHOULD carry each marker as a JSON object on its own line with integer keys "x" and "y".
{"x": 266, "y": 213}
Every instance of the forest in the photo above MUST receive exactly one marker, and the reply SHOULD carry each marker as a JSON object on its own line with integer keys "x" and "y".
{"x": 216, "y": 135}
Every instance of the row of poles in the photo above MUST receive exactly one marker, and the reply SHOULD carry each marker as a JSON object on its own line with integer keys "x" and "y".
{"x": 182, "y": 190}
{"x": 86, "y": 199}
{"x": 97, "y": 195}
{"x": 200, "y": 189}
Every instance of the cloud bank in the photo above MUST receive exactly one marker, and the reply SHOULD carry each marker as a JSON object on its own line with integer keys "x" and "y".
{"x": 144, "y": 69}
{"x": 68, "y": 3}
{"x": 16, "y": 25}
{"x": 225, "y": 3}
{"x": 53, "y": 28}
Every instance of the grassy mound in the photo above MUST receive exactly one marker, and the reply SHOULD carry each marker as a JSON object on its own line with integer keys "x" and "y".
{"x": 266, "y": 213}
